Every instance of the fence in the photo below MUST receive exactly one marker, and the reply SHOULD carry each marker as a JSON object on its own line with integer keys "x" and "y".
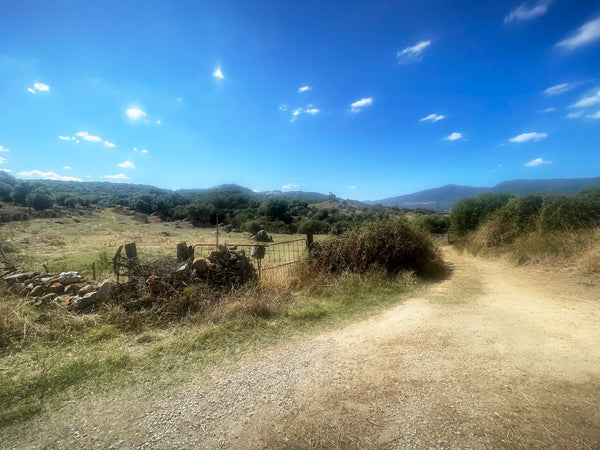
{"x": 274, "y": 262}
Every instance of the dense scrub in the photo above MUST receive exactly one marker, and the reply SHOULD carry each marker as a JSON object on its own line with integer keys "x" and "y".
{"x": 391, "y": 246}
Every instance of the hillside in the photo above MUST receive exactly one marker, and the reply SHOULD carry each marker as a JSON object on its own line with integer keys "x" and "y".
{"x": 442, "y": 198}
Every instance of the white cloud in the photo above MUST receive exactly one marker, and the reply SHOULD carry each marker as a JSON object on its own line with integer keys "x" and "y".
{"x": 358, "y": 105}
{"x": 289, "y": 186}
{"x": 454, "y": 137}
{"x": 304, "y": 89}
{"x": 4, "y": 149}
{"x": 67, "y": 167}
{"x": 66, "y": 138}
{"x": 283, "y": 107}
{"x": 2, "y": 160}
{"x": 525, "y": 137}
{"x": 6, "y": 170}
{"x": 559, "y": 88}
{"x": 575, "y": 115}
{"x": 523, "y": 12}
{"x": 127, "y": 165}
{"x": 586, "y": 34}
{"x": 351, "y": 187}
{"x": 309, "y": 109}
{"x": 548, "y": 110}
{"x": 587, "y": 101}
{"x": 217, "y": 73}
{"x": 119, "y": 176}
{"x": 39, "y": 87}
{"x": 412, "y": 54}
{"x": 38, "y": 174}
{"x": 144, "y": 151}
{"x": 158, "y": 122}
{"x": 432, "y": 118}
{"x": 86, "y": 137}
{"x": 109, "y": 144}
{"x": 135, "y": 113}
{"x": 596, "y": 115}
{"x": 537, "y": 162}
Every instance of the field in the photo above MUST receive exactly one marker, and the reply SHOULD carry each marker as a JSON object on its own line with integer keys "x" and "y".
{"x": 74, "y": 243}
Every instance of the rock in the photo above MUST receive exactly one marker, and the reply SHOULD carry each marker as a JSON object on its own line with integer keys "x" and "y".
{"x": 106, "y": 290}
{"x": 156, "y": 284}
{"x": 73, "y": 289}
{"x": 20, "y": 277}
{"x": 86, "y": 289}
{"x": 67, "y": 278}
{"x": 37, "y": 291}
{"x": 48, "y": 298}
{"x": 200, "y": 266}
{"x": 182, "y": 273}
{"x": 80, "y": 303}
{"x": 56, "y": 288}
{"x": 262, "y": 236}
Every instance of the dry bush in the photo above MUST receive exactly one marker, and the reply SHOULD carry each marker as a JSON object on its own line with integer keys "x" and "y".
{"x": 391, "y": 246}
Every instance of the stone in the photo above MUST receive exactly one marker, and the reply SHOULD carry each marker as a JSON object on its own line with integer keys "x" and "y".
{"x": 67, "y": 278}
{"x": 80, "y": 303}
{"x": 106, "y": 290}
{"x": 37, "y": 291}
{"x": 182, "y": 273}
{"x": 73, "y": 289}
{"x": 155, "y": 283}
{"x": 20, "y": 277}
{"x": 86, "y": 289}
{"x": 56, "y": 288}
{"x": 48, "y": 298}
{"x": 262, "y": 236}
{"x": 200, "y": 266}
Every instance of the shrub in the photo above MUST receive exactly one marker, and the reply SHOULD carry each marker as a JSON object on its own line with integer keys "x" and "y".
{"x": 391, "y": 245}
{"x": 433, "y": 223}
{"x": 471, "y": 212}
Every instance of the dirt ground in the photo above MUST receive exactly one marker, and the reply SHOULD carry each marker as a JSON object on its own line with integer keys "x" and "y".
{"x": 493, "y": 357}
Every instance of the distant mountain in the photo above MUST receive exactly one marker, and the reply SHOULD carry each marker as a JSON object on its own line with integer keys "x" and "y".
{"x": 442, "y": 198}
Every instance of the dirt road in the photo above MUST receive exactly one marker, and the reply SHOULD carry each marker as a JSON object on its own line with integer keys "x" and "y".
{"x": 493, "y": 357}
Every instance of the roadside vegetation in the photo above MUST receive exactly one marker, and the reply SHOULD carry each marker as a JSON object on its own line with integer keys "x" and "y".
{"x": 49, "y": 355}
{"x": 532, "y": 228}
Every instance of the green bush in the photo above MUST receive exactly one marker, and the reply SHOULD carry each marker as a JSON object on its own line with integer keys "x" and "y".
{"x": 391, "y": 245}
{"x": 433, "y": 223}
{"x": 471, "y": 212}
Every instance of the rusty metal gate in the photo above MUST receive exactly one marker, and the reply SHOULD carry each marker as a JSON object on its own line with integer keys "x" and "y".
{"x": 274, "y": 262}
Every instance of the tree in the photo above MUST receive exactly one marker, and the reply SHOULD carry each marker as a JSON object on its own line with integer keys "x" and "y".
{"x": 40, "y": 198}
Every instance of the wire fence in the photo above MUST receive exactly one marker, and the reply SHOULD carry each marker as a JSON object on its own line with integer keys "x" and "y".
{"x": 274, "y": 262}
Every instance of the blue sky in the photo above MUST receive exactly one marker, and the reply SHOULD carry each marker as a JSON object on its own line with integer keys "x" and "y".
{"x": 366, "y": 99}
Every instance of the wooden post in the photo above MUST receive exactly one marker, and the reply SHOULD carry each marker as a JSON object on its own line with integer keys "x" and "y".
{"x": 309, "y": 240}
{"x": 183, "y": 252}
{"x": 131, "y": 251}
{"x": 94, "y": 271}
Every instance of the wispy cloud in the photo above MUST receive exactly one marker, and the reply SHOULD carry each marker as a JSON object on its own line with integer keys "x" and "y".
{"x": 413, "y": 53}
{"x": 6, "y": 170}
{"x": 358, "y": 105}
{"x": 526, "y": 137}
{"x": 119, "y": 176}
{"x": 2, "y": 160}
{"x": 525, "y": 12}
{"x": 87, "y": 137}
{"x": 304, "y": 89}
{"x": 453, "y": 137}
{"x": 39, "y": 87}
{"x": 289, "y": 186}
{"x": 4, "y": 149}
{"x": 309, "y": 109}
{"x": 67, "y": 167}
{"x": 217, "y": 73}
{"x": 351, "y": 187}
{"x": 135, "y": 113}
{"x": 575, "y": 115}
{"x": 66, "y": 138}
{"x": 158, "y": 122}
{"x": 432, "y": 118}
{"x": 144, "y": 151}
{"x": 548, "y": 110}
{"x": 559, "y": 88}
{"x": 537, "y": 162}
{"x": 283, "y": 107}
{"x": 127, "y": 165}
{"x": 596, "y": 115}
{"x": 585, "y": 34}
{"x": 109, "y": 144}
{"x": 584, "y": 102}
{"x": 38, "y": 174}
